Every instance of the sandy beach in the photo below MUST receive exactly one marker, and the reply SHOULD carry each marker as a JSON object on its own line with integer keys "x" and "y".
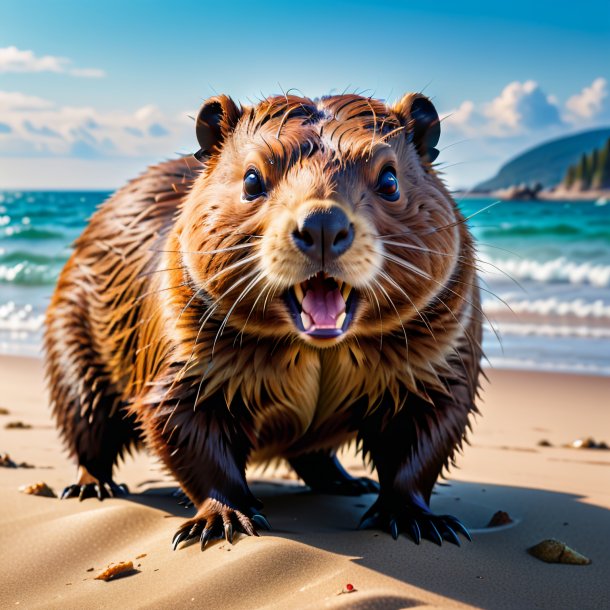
{"x": 53, "y": 549}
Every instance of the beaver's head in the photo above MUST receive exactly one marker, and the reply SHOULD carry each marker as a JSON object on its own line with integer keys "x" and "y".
{"x": 318, "y": 220}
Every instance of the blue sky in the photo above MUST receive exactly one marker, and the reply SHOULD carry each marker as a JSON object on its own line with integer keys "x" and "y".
{"x": 90, "y": 92}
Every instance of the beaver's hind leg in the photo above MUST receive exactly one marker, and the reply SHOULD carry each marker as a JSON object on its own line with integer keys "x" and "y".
{"x": 85, "y": 404}
{"x": 98, "y": 442}
{"x": 322, "y": 471}
{"x": 409, "y": 451}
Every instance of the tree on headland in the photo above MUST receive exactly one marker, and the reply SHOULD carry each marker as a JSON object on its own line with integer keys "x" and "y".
{"x": 582, "y": 179}
{"x": 601, "y": 173}
{"x": 591, "y": 172}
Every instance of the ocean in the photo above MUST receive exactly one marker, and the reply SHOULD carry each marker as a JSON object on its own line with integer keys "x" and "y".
{"x": 545, "y": 271}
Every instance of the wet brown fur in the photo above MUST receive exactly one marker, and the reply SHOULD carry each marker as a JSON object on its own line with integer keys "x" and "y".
{"x": 168, "y": 323}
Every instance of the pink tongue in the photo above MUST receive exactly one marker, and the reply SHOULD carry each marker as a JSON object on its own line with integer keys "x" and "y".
{"x": 323, "y": 306}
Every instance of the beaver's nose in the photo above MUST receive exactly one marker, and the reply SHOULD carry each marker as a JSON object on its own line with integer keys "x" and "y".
{"x": 324, "y": 234}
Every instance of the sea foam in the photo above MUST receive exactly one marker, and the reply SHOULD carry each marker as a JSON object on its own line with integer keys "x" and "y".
{"x": 559, "y": 270}
{"x": 551, "y": 306}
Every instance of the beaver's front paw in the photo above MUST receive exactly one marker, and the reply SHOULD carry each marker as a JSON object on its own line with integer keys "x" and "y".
{"x": 89, "y": 486}
{"x": 215, "y": 520}
{"x": 415, "y": 519}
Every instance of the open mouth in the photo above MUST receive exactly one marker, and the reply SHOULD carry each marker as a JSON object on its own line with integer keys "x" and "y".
{"x": 322, "y": 306}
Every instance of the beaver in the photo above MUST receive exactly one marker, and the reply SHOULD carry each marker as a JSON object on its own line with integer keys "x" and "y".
{"x": 304, "y": 280}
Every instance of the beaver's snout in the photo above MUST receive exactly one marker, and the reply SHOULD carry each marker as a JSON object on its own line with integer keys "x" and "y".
{"x": 324, "y": 234}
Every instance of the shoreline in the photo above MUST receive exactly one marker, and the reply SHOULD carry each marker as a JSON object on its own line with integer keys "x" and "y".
{"x": 543, "y": 196}
{"x": 486, "y": 366}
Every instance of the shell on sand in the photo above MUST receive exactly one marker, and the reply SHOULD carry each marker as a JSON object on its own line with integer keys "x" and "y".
{"x": 114, "y": 570}
{"x": 499, "y": 518}
{"x": 555, "y": 551}
{"x": 38, "y": 489}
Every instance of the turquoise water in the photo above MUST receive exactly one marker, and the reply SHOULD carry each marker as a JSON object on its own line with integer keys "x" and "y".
{"x": 545, "y": 268}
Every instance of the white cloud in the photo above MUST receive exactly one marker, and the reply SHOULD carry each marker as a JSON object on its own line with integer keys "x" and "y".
{"x": 87, "y": 72}
{"x": 38, "y": 127}
{"x": 588, "y": 103}
{"x": 13, "y": 59}
{"x": 15, "y": 101}
{"x": 523, "y": 108}
{"x": 520, "y": 107}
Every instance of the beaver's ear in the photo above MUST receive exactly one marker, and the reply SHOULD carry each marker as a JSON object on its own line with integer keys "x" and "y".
{"x": 216, "y": 119}
{"x": 419, "y": 116}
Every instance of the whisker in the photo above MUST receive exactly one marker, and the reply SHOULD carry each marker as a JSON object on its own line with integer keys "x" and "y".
{"x": 206, "y": 252}
{"x": 242, "y": 331}
{"x": 372, "y": 292}
{"x": 407, "y": 265}
{"x": 410, "y": 267}
{"x": 387, "y": 296}
{"x": 467, "y": 218}
{"x": 210, "y": 313}
{"x": 488, "y": 245}
{"x": 245, "y": 291}
{"x": 271, "y": 294}
{"x": 462, "y": 259}
{"x": 448, "y": 226}
{"x": 231, "y": 267}
{"x": 235, "y": 265}
{"x": 395, "y": 284}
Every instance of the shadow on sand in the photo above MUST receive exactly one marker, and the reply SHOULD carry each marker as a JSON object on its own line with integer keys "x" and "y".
{"x": 494, "y": 571}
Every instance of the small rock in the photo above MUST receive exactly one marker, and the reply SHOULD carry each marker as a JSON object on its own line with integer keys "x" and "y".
{"x": 499, "y": 518}
{"x": 544, "y": 443}
{"x": 123, "y": 568}
{"x": 38, "y": 489}
{"x": 555, "y": 551}
{"x": 17, "y": 425}
{"x": 587, "y": 443}
{"x": 4, "y": 411}
{"x": 6, "y": 462}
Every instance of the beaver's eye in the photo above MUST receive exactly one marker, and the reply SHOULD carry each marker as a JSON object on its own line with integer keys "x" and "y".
{"x": 253, "y": 185}
{"x": 387, "y": 184}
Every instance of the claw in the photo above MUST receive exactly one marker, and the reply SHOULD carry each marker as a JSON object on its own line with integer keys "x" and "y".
{"x": 450, "y": 536}
{"x": 70, "y": 491}
{"x": 394, "y": 529}
{"x": 434, "y": 534}
{"x": 229, "y": 533}
{"x": 98, "y": 491}
{"x": 179, "y": 537}
{"x": 205, "y": 537}
{"x": 261, "y": 521}
{"x": 460, "y": 527}
{"x": 83, "y": 492}
{"x": 195, "y": 530}
{"x": 118, "y": 490}
{"x": 415, "y": 531}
